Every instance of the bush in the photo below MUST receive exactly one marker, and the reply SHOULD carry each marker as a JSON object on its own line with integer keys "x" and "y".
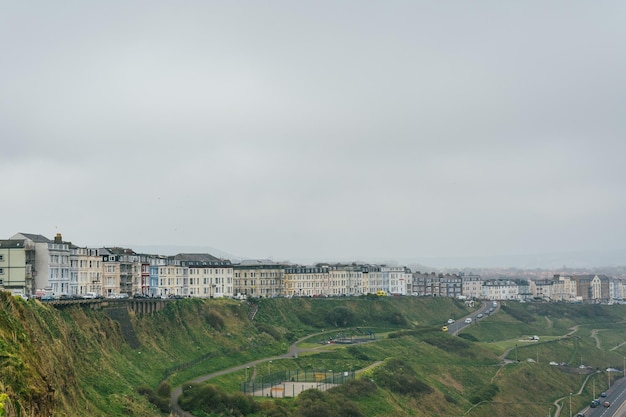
{"x": 356, "y": 388}
{"x": 397, "y": 376}
{"x": 396, "y": 319}
{"x": 485, "y": 393}
{"x": 269, "y": 329}
{"x": 450, "y": 344}
{"x": 211, "y": 399}
{"x": 161, "y": 402}
{"x": 357, "y": 353}
{"x": 314, "y": 403}
{"x": 340, "y": 317}
{"x": 215, "y": 320}
{"x": 469, "y": 337}
{"x": 164, "y": 389}
{"x": 450, "y": 399}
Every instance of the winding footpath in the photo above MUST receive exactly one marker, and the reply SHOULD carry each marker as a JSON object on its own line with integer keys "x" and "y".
{"x": 292, "y": 353}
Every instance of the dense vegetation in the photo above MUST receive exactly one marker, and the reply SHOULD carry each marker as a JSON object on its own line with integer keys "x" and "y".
{"x": 76, "y": 361}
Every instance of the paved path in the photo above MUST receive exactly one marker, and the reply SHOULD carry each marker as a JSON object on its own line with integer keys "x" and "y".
{"x": 292, "y": 353}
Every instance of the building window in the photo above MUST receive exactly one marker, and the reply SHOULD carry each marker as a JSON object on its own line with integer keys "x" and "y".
{"x": 1, "y": 258}
{"x": 1, "y": 271}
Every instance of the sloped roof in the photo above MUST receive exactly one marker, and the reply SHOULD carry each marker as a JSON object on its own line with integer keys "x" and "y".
{"x": 12, "y": 243}
{"x": 36, "y": 238}
{"x": 196, "y": 257}
{"x": 120, "y": 251}
{"x": 250, "y": 262}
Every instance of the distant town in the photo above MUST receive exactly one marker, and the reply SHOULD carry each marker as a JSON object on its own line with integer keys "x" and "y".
{"x": 33, "y": 265}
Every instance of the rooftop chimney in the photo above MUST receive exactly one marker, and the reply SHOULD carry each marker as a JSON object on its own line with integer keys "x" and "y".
{"x": 58, "y": 238}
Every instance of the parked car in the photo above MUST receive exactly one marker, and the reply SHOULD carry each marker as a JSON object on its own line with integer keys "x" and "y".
{"x": 479, "y": 316}
{"x": 603, "y": 395}
{"x": 468, "y": 320}
{"x": 594, "y": 403}
{"x": 450, "y": 321}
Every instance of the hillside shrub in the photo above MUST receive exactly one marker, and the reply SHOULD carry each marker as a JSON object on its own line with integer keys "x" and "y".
{"x": 357, "y": 353}
{"x": 396, "y": 319}
{"x": 270, "y": 330}
{"x": 211, "y": 399}
{"x": 397, "y": 376}
{"x": 450, "y": 344}
{"x": 161, "y": 402}
{"x": 484, "y": 393}
{"x": 450, "y": 399}
{"x": 164, "y": 389}
{"x": 314, "y": 403}
{"x": 340, "y": 317}
{"x": 310, "y": 318}
{"x": 469, "y": 337}
{"x": 215, "y": 320}
{"x": 356, "y": 388}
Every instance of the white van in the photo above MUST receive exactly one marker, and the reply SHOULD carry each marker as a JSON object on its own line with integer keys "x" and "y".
{"x": 468, "y": 320}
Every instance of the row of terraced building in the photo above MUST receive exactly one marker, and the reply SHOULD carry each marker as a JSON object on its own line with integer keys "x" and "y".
{"x": 32, "y": 264}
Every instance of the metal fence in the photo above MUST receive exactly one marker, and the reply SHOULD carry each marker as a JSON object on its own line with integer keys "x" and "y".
{"x": 290, "y": 383}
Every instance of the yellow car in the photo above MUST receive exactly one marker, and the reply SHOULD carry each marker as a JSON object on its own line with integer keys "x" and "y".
{"x": 444, "y": 328}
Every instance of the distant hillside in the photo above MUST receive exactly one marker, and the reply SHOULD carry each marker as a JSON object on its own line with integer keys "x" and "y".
{"x": 170, "y": 250}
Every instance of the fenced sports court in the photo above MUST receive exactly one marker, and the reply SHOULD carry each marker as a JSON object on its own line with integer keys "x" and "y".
{"x": 291, "y": 383}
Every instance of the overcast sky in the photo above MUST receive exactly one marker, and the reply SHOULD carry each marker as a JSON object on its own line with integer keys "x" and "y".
{"x": 316, "y": 130}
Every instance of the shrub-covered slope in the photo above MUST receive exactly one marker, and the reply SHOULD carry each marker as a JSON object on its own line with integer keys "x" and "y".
{"x": 76, "y": 361}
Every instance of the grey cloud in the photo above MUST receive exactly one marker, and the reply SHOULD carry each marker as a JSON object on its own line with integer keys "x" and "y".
{"x": 349, "y": 129}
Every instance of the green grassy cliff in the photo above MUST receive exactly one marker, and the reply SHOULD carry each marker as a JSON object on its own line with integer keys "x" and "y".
{"x": 77, "y": 361}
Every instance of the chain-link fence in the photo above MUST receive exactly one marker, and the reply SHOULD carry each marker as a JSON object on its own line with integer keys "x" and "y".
{"x": 290, "y": 383}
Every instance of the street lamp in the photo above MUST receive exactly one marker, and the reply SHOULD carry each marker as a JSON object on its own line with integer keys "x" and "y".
{"x": 570, "y": 404}
{"x": 269, "y": 368}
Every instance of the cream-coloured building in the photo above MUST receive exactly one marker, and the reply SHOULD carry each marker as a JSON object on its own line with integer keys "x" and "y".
{"x": 50, "y": 262}
{"x": 307, "y": 281}
{"x": 111, "y": 275}
{"x": 171, "y": 279}
{"x": 564, "y": 289}
{"x": 500, "y": 289}
{"x": 90, "y": 269}
{"x": 14, "y": 272}
{"x": 259, "y": 278}
{"x": 372, "y": 279}
{"x": 196, "y": 275}
{"x": 472, "y": 285}
{"x": 343, "y": 280}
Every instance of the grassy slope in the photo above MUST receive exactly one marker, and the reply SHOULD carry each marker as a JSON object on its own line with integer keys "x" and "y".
{"x": 66, "y": 360}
